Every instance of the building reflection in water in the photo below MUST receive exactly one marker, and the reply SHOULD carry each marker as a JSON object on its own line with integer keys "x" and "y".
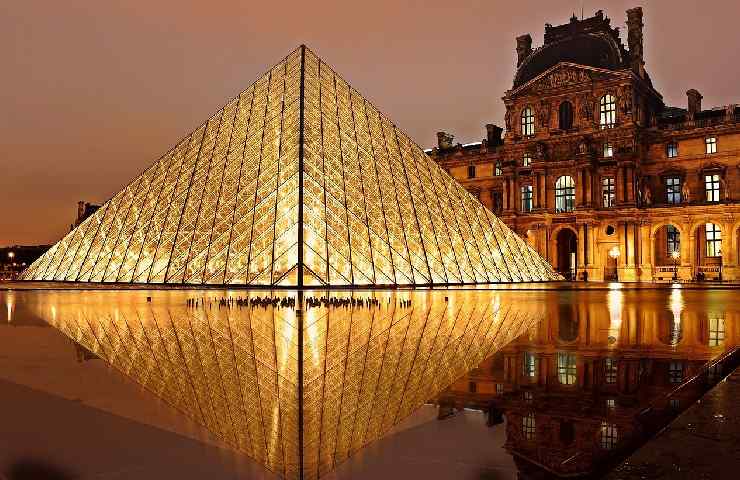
{"x": 293, "y": 388}
{"x": 586, "y": 386}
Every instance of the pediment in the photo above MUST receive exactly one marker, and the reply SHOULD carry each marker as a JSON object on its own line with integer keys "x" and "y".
{"x": 564, "y": 75}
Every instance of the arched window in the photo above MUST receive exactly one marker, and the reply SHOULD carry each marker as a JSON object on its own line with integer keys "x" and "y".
{"x": 565, "y": 116}
{"x": 528, "y": 122}
{"x": 607, "y": 111}
{"x": 565, "y": 194}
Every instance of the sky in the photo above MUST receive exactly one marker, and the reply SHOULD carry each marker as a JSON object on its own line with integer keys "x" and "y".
{"x": 93, "y": 92}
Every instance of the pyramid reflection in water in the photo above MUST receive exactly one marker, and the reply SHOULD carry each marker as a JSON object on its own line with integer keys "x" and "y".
{"x": 298, "y": 408}
{"x": 297, "y": 181}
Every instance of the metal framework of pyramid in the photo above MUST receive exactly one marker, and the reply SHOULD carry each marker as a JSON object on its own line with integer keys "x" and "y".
{"x": 298, "y": 181}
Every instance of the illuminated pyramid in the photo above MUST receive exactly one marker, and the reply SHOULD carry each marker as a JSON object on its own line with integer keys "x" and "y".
{"x": 297, "y": 390}
{"x": 297, "y": 181}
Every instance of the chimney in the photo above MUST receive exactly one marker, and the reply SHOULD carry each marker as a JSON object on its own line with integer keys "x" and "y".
{"x": 694, "y": 102}
{"x": 80, "y": 210}
{"x": 634, "y": 39}
{"x": 493, "y": 135}
{"x": 523, "y": 48}
{"x": 444, "y": 140}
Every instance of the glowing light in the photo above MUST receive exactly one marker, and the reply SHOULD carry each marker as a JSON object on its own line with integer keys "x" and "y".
{"x": 614, "y": 252}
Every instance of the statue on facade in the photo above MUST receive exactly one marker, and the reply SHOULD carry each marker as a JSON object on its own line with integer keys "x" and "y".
{"x": 507, "y": 118}
{"x": 624, "y": 97}
{"x": 586, "y": 104}
{"x": 685, "y": 193}
{"x": 647, "y": 195}
{"x": 724, "y": 191}
{"x": 544, "y": 114}
{"x": 540, "y": 151}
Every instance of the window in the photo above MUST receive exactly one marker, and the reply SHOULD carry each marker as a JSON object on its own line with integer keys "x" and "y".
{"x": 673, "y": 189}
{"x": 610, "y": 370}
{"x": 674, "y": 403}
{"x": 529, "y": 426}
{"x": 566, "y": 368}
{"x": 499, "y": 389}
{"x": 608, "y": 435}
{"x": 711, "y": 145}
{"x": 672, "y": 149}
{"x": 711, "y": 187}
{"x": 472, "y": 387}
{"x": 714, "y": 240}
{"x": 673, "y": 239}
{"x": 565, "y": 116}
{"x": 528, "y": 122}
{"x": 675, "y": 372}
{"x": 529, "y": 368}
{"x": 611, "y": 403}
{"x": 716, "y": 331}
{"x": 565, "y": 194}
{"x": 527, "y": 160}
{"x": 608, "y": 150}
{"x": 607, "y": 111}
{"x": 497, "y": 169}
{"x": 608, "y": 192}
{"x": 471, "y": 171}
{"x": 528, "y": 397}
{"x": 527, "y": 198}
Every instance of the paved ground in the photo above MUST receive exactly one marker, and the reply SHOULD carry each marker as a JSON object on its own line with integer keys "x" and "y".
{"x": 702, "y": 443}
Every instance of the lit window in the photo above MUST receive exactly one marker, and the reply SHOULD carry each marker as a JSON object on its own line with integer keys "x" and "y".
{"x": 673, "y": 189}
{"x": 565, "y": 194}
{"x": 497, "y": 169}
{"x": 675, "y": 372}
{"x": 608, "y": 150}
{"x": 610, "y": 370}
{"x": 611, "y": 403}
{"x": 673, "y": 239}
{"x": 527, "y": 160}
{"x": 565, "y": 116}
{"x": 711, "y": 187}
{"x": 528, "y": 122}
{"x": 499, "y": 388}
{"x": 607, "y": 111}
{"x": 471, "y": 171}
{"x": 711, "y": 144}
{"x": 566, "y": 368}
{"x": 672, "y": 149}
{"x": 608, "y": 192}
{"x": 528, "y": 397}
{"x": 716, "y": 331}
{"x": 714, "y": 240}
{"x": 530, "y": 365}
{"x": 527, "y": 198}
{"x": 608, "y": 435}
{"x": 529, "y": 426}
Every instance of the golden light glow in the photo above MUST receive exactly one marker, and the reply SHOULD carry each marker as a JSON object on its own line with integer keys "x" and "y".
{"x": 235, "y": 370}
{"x": 230, "y": 203}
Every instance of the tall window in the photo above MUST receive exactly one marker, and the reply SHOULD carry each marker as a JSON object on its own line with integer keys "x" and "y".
{"x": 716, "y": 331}
{"x": 608, "y": 435}
{"x": 607, "y": 111}
{"x": 608, "y": 192}
{"x": 711, "y": 144}
{"x": 528, "y": 396}
{"x": 529, "y": 427}
{"x": 675, "y": 372}
{"x": 565, "y": 194}
{"x": 497, "y": 171}
{"x": 608, "y": 150}
{"x": 565, "y": 116}
{"x": 566, "y": 368}
{"x": 673, "y": 237}
{"x": 610, "y": 370}
{"x": 528, "y": 122}
{"x": 711, "y": 187}
{"x": 714, "y": 240}
{"x": 529, "y": 367}
{"x": 672, "y": 149}
{"x": 471, "y": 171}
{"x": 527, "y": 198}
{"x": 673, "y": 189}
{"x": 527, "y": 160}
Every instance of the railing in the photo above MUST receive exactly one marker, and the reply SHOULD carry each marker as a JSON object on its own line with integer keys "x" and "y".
{"x": 664, "y": 269}
{"x": 709, "y": 269}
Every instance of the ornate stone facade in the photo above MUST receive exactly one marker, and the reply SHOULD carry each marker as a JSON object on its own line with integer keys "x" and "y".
{"x": 598, "y": 174}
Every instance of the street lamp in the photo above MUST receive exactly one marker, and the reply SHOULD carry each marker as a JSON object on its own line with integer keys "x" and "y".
{"x": 11, "y": 255}
{"x": 675, "y": 255}
{"x": 614, "y": 254}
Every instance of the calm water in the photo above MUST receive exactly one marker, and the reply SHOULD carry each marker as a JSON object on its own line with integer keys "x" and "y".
{"x": 572, "y": 380}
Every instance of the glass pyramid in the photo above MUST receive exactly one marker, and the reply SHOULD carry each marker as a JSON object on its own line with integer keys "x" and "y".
{"x": 299, "y": 390}
{"x": 298, "y": 181}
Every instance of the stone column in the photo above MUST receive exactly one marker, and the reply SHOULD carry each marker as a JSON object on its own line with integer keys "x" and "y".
{"x": 581, "y": 262}
{"x": 629, "y": 173}
{"x": 587, "y": 190}
{"x": 620, "y": 184}
{"x": 505, "y": 194}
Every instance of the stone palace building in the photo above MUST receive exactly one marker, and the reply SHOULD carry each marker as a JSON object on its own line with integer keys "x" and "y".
{"x": 597, "y": 173}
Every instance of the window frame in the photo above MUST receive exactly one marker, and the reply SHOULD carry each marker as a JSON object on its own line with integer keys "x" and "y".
{"x": 673, "y": 185}
{"x": 607, "y": 111}
{"x": 675, "y": 372}
{"x": 497, "y": 169}
{"x": 529, "y": 426}
{"x": 529, "y": 365}
{"x": 471, "y": 171}
{"x": 713, "y": 239}
{"x": 526, "y": 159}
{"x": 671, "y": 149}
{"x": 673, "y": 240}
{"x": 567, "y": 368}
{"x": 716, "y": 331}
{"x": 608, "y": 150}
{"x": 565, "y": 115}
{"x": 608, "y": 191}
{"x": 526, "y": 193}
{"x": 527, "y": 122}
{"x": 710, "y": 145}
{"x": 565, "y": 194}
{"x": 611, "y": 370}
{"x": 608, "y": 435}
{"x": 712, "y": 187}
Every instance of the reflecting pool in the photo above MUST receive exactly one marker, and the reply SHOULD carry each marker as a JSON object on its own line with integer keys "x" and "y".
{"x": 565, "y": 375}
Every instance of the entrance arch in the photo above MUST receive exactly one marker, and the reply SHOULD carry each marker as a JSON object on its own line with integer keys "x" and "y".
{"x": 667, "y": 240}
{"x": 566, "y": 246}
{"x": 708, "y": 250}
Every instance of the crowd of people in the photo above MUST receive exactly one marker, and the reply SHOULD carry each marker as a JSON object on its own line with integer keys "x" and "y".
{"x": 290, "y": 302}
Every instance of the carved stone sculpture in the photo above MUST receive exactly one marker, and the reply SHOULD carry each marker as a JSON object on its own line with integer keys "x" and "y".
{"x": 685, "y": 193}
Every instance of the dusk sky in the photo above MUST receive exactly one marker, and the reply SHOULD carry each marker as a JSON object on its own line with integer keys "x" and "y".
{"x": 93, "y": 92}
